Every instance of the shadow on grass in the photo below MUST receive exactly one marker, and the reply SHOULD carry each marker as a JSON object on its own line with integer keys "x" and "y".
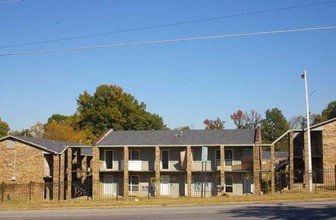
{"x": 284, "y": 212}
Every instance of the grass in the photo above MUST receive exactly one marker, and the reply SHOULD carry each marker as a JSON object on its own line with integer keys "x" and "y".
{"x": 143, "y": 202}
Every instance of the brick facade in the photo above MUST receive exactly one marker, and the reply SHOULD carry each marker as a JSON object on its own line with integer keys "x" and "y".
{"x": 20, "y": 161}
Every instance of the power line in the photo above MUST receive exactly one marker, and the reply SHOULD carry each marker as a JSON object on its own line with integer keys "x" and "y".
{"x": 10, "y": 1}
{"x": 166, "y": 25}
{"x": 168, "y": 41}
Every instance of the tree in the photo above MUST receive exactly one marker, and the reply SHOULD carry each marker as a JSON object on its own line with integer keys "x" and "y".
{"x": 57, "y": 118}
{"x": 63, "y": 131}
{"x": 110, "y": 107}
{"x": 274, "y": 125}
{"x": 23, "y": 132}
{"x": 183, "y": 128}
{"x": 253, "y": 119}
{"x": 37, "y": 130}
{"x": 328, "y": 113}
{"x": 4, "y": 128}
{"x": 298, "y": 122}
{"x": 217, "y": 124}
{"x": 246, "y": 120}
{"x": 239, "y": 119}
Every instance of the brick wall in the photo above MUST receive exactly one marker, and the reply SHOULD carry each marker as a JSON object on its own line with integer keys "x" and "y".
{"x": 329, "y": 145}
{"x": 27, "y": 161}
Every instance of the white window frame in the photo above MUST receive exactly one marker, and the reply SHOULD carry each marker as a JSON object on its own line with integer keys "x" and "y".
{"x": 131, "y": 185}
{"x": 230, "y": 185}
{"x": 112, "y": 159}
{"x": 130, "y": 155}
{"x": 228, "y": 162}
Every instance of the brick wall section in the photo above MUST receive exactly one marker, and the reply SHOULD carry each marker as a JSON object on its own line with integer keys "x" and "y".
{"x": 69, "y": 173}
{"x": 157, "y": 170}
{"x": 125, "y": 183}
{"x": 329, "y": 145}
{"x": 56, "y": 177}
{"x": 222, "y": 167}
{"x": 272, "y": 169}
{"x": 95, "y": 173}
{"x": 256, "y": 169}
{"x": 189, "y": 165}
{"x": 29, "y": 164}
{"x": 62, "y": 176}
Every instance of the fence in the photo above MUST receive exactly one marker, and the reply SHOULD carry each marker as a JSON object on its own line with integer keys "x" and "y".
{"x": 323, "y": 180}
{"x": 169, "y": 185}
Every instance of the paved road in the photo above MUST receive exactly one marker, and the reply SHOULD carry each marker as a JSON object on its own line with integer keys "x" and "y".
{"x": 297, "y": 211}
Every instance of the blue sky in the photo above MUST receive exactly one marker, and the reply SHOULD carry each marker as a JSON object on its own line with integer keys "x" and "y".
{"x": 184, "y": 82}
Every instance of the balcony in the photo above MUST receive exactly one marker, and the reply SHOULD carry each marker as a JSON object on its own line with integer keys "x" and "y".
{"x": 201, "y": 166}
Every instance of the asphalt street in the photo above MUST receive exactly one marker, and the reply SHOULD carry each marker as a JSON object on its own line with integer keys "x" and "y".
{"x": 297, "y": 211}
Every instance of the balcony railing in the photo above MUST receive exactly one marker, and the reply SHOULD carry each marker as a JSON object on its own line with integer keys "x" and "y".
{"x": 201, "y": 166}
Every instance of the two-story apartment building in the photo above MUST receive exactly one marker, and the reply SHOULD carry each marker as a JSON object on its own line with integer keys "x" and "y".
{"x": 323, "y": 152}
{"x": 174, "y": 163}
{"x": 51, "y": 169}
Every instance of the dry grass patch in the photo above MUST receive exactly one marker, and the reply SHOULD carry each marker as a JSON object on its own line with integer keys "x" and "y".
{"x": 139, "y": 202}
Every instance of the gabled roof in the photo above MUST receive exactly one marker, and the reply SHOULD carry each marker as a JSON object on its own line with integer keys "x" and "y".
{"x": 56, "y": 147}
{"x": 323, "y": 123}
{"x": 178, "y": 138}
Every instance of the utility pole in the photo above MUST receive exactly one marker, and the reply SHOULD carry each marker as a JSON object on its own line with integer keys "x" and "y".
{"x": 310, "y": 173}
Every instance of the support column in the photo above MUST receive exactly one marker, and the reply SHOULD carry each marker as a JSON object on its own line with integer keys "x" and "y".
{"x": 62, "y": 176}
{"x": 272, "y": 170}
{"x": 291, "y": 160}
{"x": 126, "y": 173}
{"x": 79, "y": 163}
{"x": 189, "y": 174}
{"x": 69, "y": 173}
{"x": 256, "y": 169}
{"x": 222, "y": 167}
{"x": 56, "y": 177}
{"x": 157, "y": 170}
{"x": 84, "y": 167}
{"x": 95, "y": 172}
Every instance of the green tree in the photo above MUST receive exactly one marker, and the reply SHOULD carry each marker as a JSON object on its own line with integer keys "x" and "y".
{"x": 4, "y": 128}
{"x": 110, "y": 107}
{"x": 57, "y": 118}
{"x": 23, "y": 132}
{"x": 328, "y": 113}
{"x": 274, "y": 125}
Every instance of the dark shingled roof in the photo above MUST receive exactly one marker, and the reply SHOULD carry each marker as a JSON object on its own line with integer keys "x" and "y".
{"x": 56, "y": 146}
{"x": 175, "y": 137}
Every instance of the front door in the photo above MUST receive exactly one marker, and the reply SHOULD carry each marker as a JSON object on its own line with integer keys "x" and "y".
{"x": 165, "y": 185}
{"x": 108, "y": 184}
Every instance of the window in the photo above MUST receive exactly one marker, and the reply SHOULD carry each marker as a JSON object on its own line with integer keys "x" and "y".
{"x": 10, "y": 144}
{"x": 165, "y": 159}
{"x": 133, "y": 182}
{"x": 134, "y": 155}
{"x": 108, "y": 158}
{"x": 228, "y": 184}
{"x": 228, "y": 157}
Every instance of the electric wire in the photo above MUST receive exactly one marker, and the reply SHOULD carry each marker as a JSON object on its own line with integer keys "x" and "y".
{"x": 168, "y": 24}
{"x": 168, "y": 41}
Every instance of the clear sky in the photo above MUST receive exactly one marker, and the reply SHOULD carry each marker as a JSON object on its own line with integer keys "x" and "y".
{"x": 184, "y": 82}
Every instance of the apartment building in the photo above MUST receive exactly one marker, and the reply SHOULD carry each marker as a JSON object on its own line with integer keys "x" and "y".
{"x": 174, "y": 163}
